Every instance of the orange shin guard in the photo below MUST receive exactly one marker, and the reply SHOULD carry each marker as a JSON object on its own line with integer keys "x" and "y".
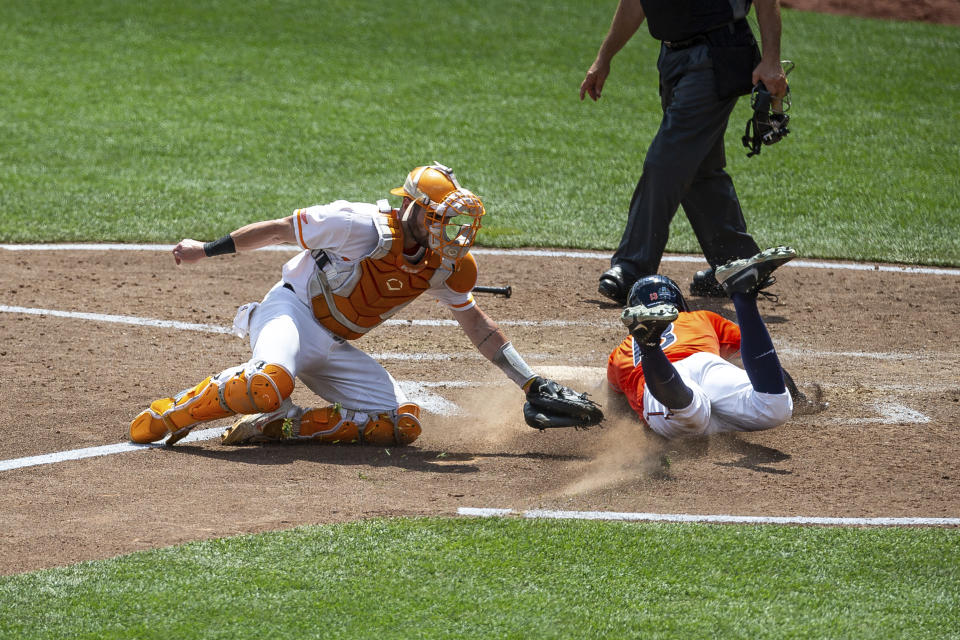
{"x": 408, "y": 424}
{"x": 254, "y": 388}
{"x": 257, "y": 389}
{"x": 327, "y": 425}
{"x": 330, "y": 425}
{"x": 400, "y": 429}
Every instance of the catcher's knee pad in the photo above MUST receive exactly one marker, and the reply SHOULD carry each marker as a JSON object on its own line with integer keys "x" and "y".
{"x": 256, "y": 387}
{"x": 253, "y": 388}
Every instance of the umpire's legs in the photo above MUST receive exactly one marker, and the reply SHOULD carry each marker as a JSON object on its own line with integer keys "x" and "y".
{"x": 691, "y": 131}
{"x": 714, "y": 212}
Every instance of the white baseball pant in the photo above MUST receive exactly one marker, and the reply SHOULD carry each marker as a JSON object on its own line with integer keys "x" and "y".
{"x": 723, "y": 400}
{"x": 283, "y": 330}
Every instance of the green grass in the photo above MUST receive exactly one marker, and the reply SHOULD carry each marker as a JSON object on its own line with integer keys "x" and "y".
{"x": 138, "y": 122}
{"x": 507, "y": 578}
{"x": 147, "y": 122}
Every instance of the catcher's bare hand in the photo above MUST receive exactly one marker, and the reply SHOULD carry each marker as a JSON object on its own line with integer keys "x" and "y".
{"x": 188, "y": 250}
{"x": 551, "y": 405}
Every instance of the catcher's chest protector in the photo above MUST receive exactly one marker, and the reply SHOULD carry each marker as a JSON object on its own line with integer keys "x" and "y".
{"x": 351, "y": 303}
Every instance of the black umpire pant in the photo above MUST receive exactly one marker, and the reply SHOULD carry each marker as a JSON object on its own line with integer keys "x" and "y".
{"x": 685, "y": 165}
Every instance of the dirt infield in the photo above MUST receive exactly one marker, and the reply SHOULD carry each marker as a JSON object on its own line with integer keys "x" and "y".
{"x": 883, "y": 345}
{"x": 942, "y": 11}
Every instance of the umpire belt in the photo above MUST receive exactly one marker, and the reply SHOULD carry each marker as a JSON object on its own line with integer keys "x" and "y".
{"x": 675, "y": 45}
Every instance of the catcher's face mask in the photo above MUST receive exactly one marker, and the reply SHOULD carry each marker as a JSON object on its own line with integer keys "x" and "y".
{"x": 768, "y": 124}
{"x": 452, "y": 226}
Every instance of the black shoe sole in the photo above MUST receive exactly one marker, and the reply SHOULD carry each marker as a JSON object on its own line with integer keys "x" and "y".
{"x": 610, "y": 290}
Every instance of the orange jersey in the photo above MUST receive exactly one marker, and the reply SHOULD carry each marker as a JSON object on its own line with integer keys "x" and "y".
{"x": 692, "y": 332}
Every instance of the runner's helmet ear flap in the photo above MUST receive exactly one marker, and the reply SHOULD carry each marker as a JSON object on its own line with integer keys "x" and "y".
{"x": 653, "y": 290}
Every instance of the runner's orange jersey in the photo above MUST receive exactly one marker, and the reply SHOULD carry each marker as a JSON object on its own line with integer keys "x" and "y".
{"x": 692, "y": 332}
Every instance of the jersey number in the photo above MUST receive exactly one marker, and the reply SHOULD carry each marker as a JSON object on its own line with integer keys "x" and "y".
{"x": 667, "y": 338}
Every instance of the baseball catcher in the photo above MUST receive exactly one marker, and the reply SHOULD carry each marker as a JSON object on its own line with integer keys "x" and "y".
{"x": 360, "y": 264}
{"x": 673, "y": 366}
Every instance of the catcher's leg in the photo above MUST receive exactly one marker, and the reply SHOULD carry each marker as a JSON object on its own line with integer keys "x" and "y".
{"x": 331, "y": 425}
{"x": 252, "y": 388}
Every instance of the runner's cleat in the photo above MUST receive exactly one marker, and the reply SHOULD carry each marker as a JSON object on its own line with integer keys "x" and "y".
{"x": 647, "y": 323}
{"x": 750, "y": 275}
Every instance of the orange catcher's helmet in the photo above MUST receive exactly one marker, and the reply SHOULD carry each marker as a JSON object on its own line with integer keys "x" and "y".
{"x": 452, "y": 213}
{"x": 428, "y": 186}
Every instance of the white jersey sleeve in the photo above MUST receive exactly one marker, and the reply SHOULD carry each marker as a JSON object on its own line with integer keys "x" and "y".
{"x": 346, "y": 231}
{"x": 342, "y": 228}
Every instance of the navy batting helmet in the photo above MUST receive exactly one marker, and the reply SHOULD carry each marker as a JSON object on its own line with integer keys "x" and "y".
{"x": 653, "y": 290}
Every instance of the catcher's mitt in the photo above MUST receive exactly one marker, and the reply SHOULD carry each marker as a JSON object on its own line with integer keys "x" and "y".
{"x": 551, "y": 405}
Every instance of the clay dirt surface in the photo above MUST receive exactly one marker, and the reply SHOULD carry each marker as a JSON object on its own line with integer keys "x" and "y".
{"x": 940, "y": 11}
{"x": 882, "y": 346}
{"x": 882, "y": 351}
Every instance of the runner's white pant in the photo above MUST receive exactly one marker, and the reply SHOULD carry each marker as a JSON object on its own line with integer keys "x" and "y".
{"x": 723, "y": 400}
{"x": 283, "y": 331}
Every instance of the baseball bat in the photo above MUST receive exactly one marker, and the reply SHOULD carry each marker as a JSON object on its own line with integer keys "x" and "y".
{"x": 500, "y": 291}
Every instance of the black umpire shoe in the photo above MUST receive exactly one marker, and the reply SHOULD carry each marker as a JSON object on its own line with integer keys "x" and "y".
{"x": 705, "y": 285}
{"x": 615, "y": 285}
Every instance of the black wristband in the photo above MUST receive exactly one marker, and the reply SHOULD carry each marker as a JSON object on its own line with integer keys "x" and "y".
{"x": 220, "y": 247}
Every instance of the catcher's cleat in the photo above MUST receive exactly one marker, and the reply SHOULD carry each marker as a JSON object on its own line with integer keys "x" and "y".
{"x": 263, "y": 427}
{"x": 613, "y": 285}
{"x": 646, "y": 324}
{"x": 705, "y": 285}
{"x": 177, "y": 436}
{"x": 750, "y": 275}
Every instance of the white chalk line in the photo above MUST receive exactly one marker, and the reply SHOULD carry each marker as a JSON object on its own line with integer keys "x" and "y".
{"x": 209, "y": 328}
{"x": 896, "y": 387}
{"x": 692, "y": 518}
{"x": 419, "y": 392}
{"x": 103, "y": 450}
{"x": 802, "y": 353}
{"x": 888, "y": 412}
{"x": 535, "y": 253}
{"x": 118, "y": 319}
